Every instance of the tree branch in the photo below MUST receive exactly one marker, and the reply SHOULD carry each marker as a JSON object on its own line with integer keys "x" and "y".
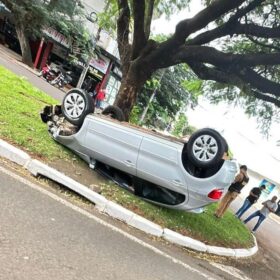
{"x": 148, "y": 18}
{"x": 259, "y": 82}
{"x": 212, "y": 12}
{"x": 255, "y": 41}
{"x": 266, "y": 98}
{"x": 139, "y": 37}
{"x": 225, "y": 29}
{"x": 218, "y": 75}
{"x": 215, "y": 74}
{"x": 211, "y": 55}
{"x": 123, "y": 29}
{"x": 186, "y": 27}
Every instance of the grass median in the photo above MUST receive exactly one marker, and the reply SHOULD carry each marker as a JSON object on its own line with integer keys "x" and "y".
{"x": 20, "y": 124}
{"x": 20, "y": 104}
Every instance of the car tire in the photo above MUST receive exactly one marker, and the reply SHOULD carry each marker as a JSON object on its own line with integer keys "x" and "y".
{"x": 114, "y": 112}
{"x": 206, "y": 148}
{"x": 76, "y": 105}
{"x": 226, "y": 145}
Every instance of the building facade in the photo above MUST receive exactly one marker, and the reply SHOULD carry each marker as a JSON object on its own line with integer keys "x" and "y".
{"x": 58, "y": 50}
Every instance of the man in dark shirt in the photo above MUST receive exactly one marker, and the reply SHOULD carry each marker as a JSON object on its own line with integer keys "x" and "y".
{"x": 252, "y": 198}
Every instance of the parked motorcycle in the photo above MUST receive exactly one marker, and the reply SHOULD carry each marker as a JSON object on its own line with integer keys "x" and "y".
{"x": 62, "y": 79}
{"x": 48, "y": 73}
{"x": 45, "y": 70}
{"x": 52, "y": 75}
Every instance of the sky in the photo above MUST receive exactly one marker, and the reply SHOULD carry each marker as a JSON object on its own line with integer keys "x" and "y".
{"x": 249, "y": 146}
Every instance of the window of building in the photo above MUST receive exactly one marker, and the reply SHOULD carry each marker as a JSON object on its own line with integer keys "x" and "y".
{"x": 112, "y": 88}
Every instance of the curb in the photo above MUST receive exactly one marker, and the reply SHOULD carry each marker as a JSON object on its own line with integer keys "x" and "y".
{"x": 114, "y": 210}
{"x": 146, "y": 226}
{"x": 184, "y": 241}
{"x": 14, "y": 154}
{"x": 38, "y": 168}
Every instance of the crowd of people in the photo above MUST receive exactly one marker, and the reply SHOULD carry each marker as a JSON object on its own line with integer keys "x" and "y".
{"x": 242, "y": 179}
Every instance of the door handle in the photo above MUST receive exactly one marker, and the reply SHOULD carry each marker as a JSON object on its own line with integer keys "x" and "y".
{"x": 177, "y": 182}
{"x": 129, "y": 163}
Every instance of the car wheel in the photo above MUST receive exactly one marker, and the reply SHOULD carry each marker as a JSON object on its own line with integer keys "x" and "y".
{"x": 225, "y": 145}
{"x": 76, "y": 105}
{"x": 206, "y": 148}
{"x": 114, "y": 112}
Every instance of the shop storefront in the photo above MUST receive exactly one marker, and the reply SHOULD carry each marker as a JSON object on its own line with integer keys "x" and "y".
{"x": 113, "y": 85}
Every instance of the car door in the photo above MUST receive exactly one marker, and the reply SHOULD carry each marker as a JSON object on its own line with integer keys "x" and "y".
{"x": 158, "y": 162}
{"x": 113, "y": 144}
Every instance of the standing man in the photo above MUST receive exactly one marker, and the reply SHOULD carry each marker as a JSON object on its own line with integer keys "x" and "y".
{"x": 252, "y": 198}
{"x": 100, "y": 97}
{"x": 234, "y": 190}
{"x": 268, "y": 206}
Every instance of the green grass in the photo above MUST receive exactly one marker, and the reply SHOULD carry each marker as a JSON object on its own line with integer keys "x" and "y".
{"x": 228, "y": 231}
{"x": 20, "y": 124}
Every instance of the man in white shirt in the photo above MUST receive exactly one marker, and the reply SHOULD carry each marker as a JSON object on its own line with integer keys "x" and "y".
{"x": 268, "y": 206}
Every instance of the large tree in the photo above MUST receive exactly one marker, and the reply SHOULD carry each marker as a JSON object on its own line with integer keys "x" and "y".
{"x": 232, "y": 42}
{"x": 30, "y": 17}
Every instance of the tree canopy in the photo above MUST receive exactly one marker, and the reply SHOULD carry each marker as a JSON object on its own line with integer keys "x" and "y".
{"x": 32, "y": 16}
{"x": 234, "y": 43}
{"x": 166, "y": 94}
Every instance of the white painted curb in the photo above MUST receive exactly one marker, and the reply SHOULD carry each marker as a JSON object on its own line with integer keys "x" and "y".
{"x": 242, "y": 253}
{"x": 114, "y": 210}
{"x": 13, "y": 154}
{"x": 38, "y": 168}
{"x": 184, "y": 241}
{"x": 146, "y": 226}
{"x": 227, "y": 252}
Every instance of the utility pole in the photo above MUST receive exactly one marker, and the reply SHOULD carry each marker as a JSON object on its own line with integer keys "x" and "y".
{"x": 97, "y": 37}
{"x": 86, "y": 68}
{"x": 152, "y": 97}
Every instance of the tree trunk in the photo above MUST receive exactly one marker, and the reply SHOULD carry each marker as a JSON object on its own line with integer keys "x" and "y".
{"x": 131, "y": 83}
{"x": 24, "y": 44}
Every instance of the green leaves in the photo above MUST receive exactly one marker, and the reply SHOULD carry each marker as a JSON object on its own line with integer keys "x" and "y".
{"x": 170, "y": 7}
{"x": 171, "y": 96}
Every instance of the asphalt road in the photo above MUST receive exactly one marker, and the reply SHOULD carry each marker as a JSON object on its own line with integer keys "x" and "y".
{"x": 44, "y": 237}
{"x": 10, "y": 62}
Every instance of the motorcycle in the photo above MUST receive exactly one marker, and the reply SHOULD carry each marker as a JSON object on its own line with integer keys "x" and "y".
{"x": 62, "y": 79}
{"x": 48, "y": 73}
{"x": 45, "y": 70}
{"x": 52, "y": 75}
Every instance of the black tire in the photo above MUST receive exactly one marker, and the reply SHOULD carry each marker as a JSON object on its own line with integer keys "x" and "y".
{"x": 114, "y": 112}
{"x": 225, "y": 145}
{"x": 79, "y": 100}
{"x": 206, "y": 148}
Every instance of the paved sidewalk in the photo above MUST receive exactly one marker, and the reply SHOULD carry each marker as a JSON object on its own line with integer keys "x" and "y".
{"x": 12, "y": 62}
{"x": 16, "y": 58}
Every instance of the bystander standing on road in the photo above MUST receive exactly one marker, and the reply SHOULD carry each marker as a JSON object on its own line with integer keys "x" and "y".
{"x": 234, "y": 190}
{"x": 252, "y": 198}
{"x": 100, "y": 97}
{"x": 268, "y": 206}
{"x": 278, "y": 208}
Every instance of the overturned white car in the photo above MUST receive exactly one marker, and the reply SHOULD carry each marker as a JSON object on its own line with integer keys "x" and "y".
{"x": 164, "y": 170}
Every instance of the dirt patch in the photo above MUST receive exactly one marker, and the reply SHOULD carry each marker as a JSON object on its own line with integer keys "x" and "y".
{"x": 79, "y": 171}
{"x": 33, "y": 97}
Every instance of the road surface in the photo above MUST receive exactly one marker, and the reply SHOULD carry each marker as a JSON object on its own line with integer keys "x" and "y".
{"x": 45, "y": 237}
{"x": 9, "y": 60}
